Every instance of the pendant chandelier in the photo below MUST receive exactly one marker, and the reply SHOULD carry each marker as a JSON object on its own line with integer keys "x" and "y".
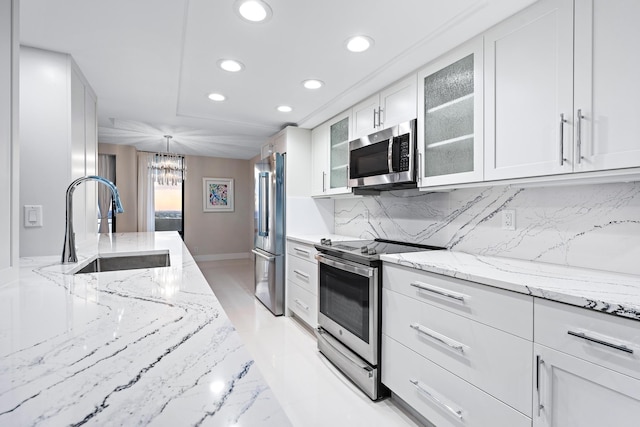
{"x": 168, "y": 168}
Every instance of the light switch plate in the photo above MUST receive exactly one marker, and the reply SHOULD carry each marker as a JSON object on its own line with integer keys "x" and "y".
{"x": 508, "y": 219}
{"x": 33, "y": 215}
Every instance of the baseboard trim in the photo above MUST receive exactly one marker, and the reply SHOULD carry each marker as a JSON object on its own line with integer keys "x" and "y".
{"x": 222, "y": 257}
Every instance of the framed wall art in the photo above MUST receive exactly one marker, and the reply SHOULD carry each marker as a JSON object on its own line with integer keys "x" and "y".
{"x": 218, "y": 194}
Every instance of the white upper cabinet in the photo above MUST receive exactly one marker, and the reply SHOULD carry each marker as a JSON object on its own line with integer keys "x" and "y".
{"x": 607, "y": 60}
{"x": 365, "y": 116}
{"x": 560, "y": 87}
{"x": 319, "y": 159}
{"x": 528, "y": 84}
{"x": 393, "y": 105}
{"x": 450, "y": 119}
{"x": 330, "y": 156}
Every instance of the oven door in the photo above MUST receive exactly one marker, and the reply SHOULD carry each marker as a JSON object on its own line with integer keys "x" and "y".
{"x": 348, "y": 302}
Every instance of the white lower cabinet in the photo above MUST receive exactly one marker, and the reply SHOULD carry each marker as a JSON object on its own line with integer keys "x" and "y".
{"x": 587, "y": 367}
{"x": 440, "y": 396}
{"x": 301, "y": 294}
{"x": 496, "y": 362}
{"x": 458, "y": 352}
{"x": 572, "y": 392}
{"x": 303, "y": 304}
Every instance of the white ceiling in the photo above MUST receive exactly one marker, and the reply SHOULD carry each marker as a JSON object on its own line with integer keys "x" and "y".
{"x": 152, "y": 62}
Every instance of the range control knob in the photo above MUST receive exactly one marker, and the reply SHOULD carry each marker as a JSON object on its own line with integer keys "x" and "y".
{"x": 364, "y": 249}
{"x": 371, "y": 251}
{"x": 325, "y": 242}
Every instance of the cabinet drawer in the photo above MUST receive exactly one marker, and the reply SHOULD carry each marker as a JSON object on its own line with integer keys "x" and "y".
{"x": 494, "y": 361}
{"x": 303, "y": 273}
{"x": 303, "y": 303}
{"x": 606, "y": 340}
{"x": 505, "y": 310}
{"x": 411, "y": 377}
{"x": 301, "y": 250}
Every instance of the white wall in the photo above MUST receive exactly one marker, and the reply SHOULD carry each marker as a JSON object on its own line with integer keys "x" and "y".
{"x": 9, "y": 140}
{"x": 58, "y": 143}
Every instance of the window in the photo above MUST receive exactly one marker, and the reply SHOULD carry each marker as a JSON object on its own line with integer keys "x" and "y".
{"x": 168, "y": 206}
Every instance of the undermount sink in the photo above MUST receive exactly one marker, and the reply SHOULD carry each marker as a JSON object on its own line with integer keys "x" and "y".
{"x": 130, "y": 261}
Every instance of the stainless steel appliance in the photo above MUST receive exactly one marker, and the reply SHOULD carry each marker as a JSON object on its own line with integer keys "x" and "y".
{"x": 349, "y": 302}
{"x": 269, "y": 232}
{"x": 384, "y": 160}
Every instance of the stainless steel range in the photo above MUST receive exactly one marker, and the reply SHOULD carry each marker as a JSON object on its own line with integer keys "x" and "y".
{"x": 349, "y": 302}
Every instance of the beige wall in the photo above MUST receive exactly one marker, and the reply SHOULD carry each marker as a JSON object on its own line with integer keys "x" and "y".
{"x": 127, "y": 183}
{"x": 208, "y": 235}
{"x": 218, "y": 235}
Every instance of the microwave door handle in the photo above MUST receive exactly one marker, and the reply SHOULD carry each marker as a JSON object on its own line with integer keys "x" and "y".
{"x": 390, "y": 155}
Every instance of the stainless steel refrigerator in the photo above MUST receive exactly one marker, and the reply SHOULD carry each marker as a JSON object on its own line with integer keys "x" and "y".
{"x": 269, "y": 233}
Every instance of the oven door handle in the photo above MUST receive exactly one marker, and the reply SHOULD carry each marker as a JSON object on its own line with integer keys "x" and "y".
{"x": 359, "y": 269}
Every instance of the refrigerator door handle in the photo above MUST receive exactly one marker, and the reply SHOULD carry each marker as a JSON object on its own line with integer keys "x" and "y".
{"x": 261, "y": 255}
{"x": 263, "y": 205}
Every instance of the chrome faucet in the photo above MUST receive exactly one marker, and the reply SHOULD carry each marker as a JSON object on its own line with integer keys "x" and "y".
{"x": 69, "y": 250}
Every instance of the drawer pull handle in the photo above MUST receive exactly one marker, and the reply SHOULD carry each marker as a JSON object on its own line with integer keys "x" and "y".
{"x": 438, "y": 337}
{"x": 439, "y": 291}
{"x": 430, "y": 395}
{"x": 304, "y": 251}
{"x": 601, "y": 342}
{"x": 298, "y": 272}
{"x": 301, "y": 304}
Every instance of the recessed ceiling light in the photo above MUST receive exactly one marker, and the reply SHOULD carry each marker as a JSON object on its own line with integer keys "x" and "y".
{"x": 312, "y": 84}
{"x": 230, "y": 65}
{"x": 216, "y": 97}
{"x": 284, "y": 109}
{"x": 359, "y": 43}
{"x": 253, "y": 10}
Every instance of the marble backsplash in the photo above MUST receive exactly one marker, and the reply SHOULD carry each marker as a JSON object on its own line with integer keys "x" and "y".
{"x": 592, "y": 226}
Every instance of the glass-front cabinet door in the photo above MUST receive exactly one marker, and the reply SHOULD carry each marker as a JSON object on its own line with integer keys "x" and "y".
{"x": 450, "y": 131}
{"x": 339, "y": 154}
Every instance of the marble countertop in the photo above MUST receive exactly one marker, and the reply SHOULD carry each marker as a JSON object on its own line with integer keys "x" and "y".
{"x": 609, "y": 292}
{"x": 148, "y": 346}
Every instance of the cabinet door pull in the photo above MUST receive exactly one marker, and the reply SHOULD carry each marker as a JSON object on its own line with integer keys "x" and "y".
{"x": 580, "y": 116}
{"x": 374, "y": 118}
{"x": 300, "y": 273}
{"x": 438, "y": 337}
{"x": 304, "y": 251}
{"x": 306, "y": 307}
{"x": 324, "y": 186}
{"x": 430, "y": 395}
{"x": 539, "y": 362}
{"x": 380, "y": 111}
{"x": 584, "y": 336}
{"x": 436, "y": 290}
{"x": 562, "y": 122}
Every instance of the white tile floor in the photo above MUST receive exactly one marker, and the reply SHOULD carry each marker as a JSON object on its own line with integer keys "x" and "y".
{"x": 311, "y": 391}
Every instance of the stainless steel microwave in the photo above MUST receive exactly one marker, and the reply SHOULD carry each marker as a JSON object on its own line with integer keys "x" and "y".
{"x": 384, "y": 160}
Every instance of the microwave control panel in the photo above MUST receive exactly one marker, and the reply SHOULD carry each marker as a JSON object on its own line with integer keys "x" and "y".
{"x": 403, "y": 141}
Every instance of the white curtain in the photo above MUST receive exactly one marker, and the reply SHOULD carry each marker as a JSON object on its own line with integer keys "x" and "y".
{"x": 106, "y": 169}
{"x": 146, "y": 210}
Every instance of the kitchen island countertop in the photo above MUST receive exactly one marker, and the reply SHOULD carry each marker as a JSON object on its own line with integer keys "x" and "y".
{"x": 609, "y": 292}
{"x": 148, "y": 346}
